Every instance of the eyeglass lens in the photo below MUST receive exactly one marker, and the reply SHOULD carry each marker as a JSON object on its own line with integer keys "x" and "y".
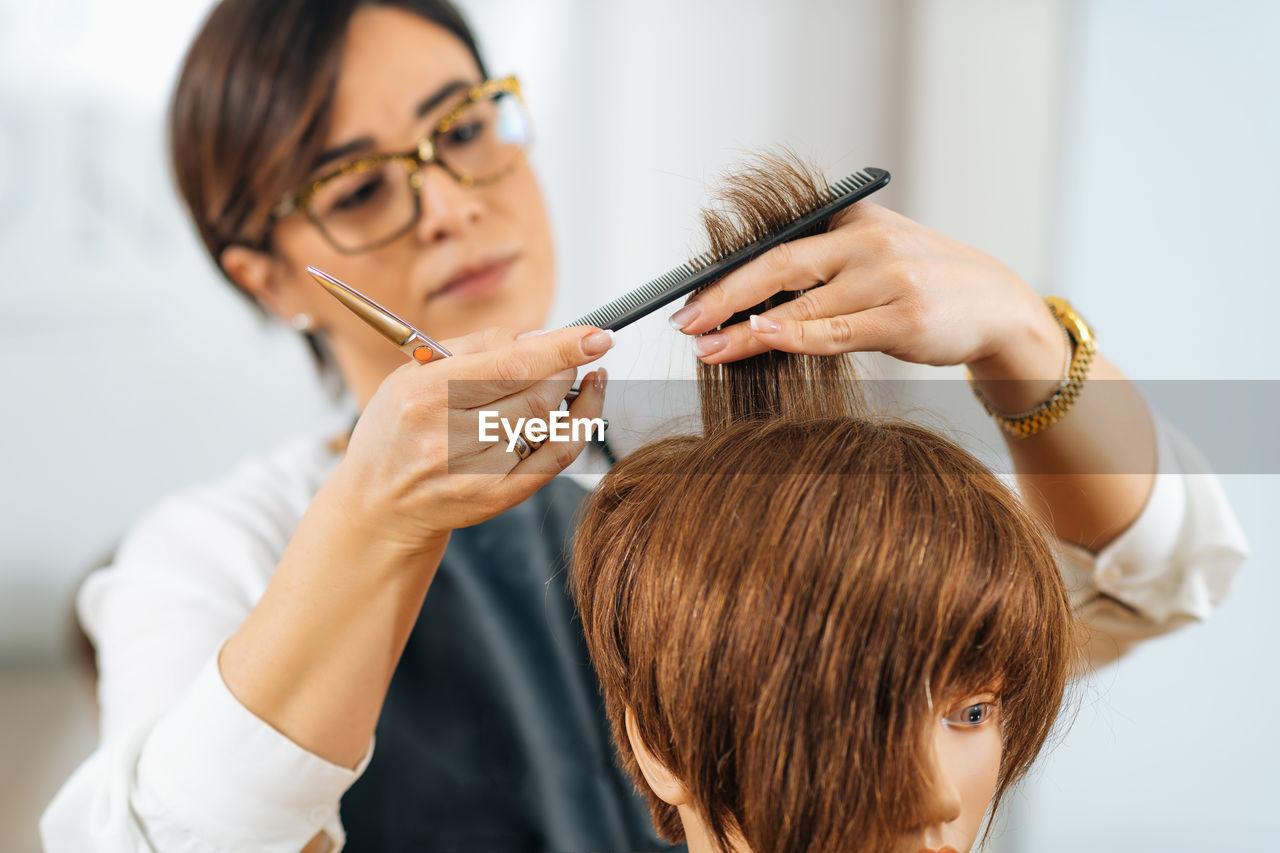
{"x": 375, "y": 202}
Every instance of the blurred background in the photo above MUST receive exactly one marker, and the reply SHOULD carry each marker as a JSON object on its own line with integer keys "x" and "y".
{"x": 1121, "y": 153}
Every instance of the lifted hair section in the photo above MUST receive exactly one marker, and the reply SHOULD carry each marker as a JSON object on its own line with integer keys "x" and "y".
{"x": 757, "y": 197}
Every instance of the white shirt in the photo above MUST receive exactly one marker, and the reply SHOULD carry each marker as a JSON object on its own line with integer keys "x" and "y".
{"x": 182, "y": 766}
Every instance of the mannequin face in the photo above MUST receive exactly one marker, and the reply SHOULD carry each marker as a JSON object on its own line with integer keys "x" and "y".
{"x": 967, "y": 746}
{"x": 478, "y": 257}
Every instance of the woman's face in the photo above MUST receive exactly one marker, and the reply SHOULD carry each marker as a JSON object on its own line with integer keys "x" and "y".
{"x": 967, "y": 747}
{"x": 478, "y": 257}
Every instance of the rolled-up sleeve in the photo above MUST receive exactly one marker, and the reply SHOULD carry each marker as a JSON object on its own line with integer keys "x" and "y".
{"x": 207, "y": 775}
{"x": 1173, "y": 565}
{"x": 268, "y": 788}
{"x": 181, "y": 764}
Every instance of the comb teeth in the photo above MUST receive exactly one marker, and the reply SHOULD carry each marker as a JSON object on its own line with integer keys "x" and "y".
{"x": 703, "y": 261}
{"x": 856, "y": 181}
{"x": 707, "y": 266}
{"x": 628, "y": 302}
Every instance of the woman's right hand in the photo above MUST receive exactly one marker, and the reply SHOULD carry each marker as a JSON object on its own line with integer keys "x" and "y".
{"x": 415, "y": 468}
{"x": 315, "y": 655}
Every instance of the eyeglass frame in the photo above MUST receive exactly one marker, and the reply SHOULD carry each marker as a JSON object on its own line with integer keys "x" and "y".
{"x": 415, "y": 160}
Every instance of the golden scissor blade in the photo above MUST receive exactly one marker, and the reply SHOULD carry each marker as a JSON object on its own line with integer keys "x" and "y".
{"x": 383, "y": 320}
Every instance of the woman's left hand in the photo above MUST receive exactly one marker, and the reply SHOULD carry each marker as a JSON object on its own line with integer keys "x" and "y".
{"x": 877, "y": 281}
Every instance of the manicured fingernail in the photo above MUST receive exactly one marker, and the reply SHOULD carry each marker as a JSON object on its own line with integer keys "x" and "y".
{"x": 685, "y": 316}
{"x": 531, "y": 333}
{"x": 602, "y": 376}
{"x": 707, "y": 344}
{"x": 762, "y": 324}
{"x": 598, "y": 343}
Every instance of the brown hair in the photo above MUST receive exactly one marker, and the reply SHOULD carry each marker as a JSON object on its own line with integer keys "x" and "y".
{"x": 780, "y": 600}
{"x": 757, "y": 197}
{"x": 252, "y": 106}
{"x": 251, "y": 111}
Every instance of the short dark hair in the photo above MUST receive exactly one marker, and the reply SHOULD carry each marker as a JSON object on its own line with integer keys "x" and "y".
{"x": 252, "y": 105}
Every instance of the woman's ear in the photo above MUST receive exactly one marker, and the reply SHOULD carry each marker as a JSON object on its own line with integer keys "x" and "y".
{"x": 257, "y": 274}
{"x": 664, "y": 784}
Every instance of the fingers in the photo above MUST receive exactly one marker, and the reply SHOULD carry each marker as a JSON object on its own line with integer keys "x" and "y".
{"x": 795, "y": 265}
{"x": 586, "y": 423}
{"x": 421, "y": 459}
{"x": 867, "y": 331}
{"x": 537, "y": 401}
{"x": 484, "y": 483}
{"x": 514, "y": 365}
{"x": 839, "y": 297}
{"x": 481, "y": 341}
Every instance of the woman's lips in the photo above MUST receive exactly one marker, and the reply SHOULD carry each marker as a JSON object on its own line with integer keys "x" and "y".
{"x": 477, "y": 284}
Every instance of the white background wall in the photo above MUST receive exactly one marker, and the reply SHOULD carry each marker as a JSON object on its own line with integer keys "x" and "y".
{"x": 1121, "y": 153}
{"x": 1167, "y": 218}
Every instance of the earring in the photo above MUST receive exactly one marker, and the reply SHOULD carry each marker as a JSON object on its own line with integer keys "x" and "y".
{"x": 302, "y": 322}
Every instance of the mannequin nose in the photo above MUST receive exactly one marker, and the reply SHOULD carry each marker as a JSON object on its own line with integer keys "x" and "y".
{"x": 942, "y": 806}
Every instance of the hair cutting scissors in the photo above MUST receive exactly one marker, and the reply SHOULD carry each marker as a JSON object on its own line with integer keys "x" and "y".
{"x": 411, "y": 340}
{"x": 408, "y": 338}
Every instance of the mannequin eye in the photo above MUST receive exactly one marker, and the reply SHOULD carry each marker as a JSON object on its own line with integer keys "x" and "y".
{"x": 971, "y": 715}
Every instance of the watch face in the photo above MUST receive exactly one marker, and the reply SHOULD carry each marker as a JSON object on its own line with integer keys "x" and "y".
{"x": 1074, "y": 323}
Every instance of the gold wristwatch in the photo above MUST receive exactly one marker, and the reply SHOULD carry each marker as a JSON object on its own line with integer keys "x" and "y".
{"x": 1082, "y": 345}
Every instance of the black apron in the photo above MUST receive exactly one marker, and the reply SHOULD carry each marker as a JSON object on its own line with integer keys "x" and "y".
{"x": 493, "y": 735}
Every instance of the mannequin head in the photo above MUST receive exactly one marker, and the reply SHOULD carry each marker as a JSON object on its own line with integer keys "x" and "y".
{"x": 778, "y": 649}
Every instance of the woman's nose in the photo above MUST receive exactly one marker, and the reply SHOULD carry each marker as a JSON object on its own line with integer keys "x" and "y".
{"x": 447, "y": 206}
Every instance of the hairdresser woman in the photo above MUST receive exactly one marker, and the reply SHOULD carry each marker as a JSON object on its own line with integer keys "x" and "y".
{"x": 252, "y": 634}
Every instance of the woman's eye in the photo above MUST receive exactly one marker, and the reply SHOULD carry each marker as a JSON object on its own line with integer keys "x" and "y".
{"x": 359, "y": 195}
{"x": 461, "y": 134}
{"x": 971, "y": 715}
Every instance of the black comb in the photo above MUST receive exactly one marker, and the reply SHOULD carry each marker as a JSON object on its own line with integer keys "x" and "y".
{"x": 705, "y": 268}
